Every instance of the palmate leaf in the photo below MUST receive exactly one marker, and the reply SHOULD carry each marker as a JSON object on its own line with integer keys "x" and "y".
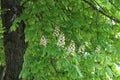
{"x": 109, "y": 71}
{"x": 79, "y": 72}
{"x": 80, "y": 21}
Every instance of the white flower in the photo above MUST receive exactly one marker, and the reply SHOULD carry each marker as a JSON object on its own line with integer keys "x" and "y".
{"x": 56, "y": 31}
{"x": 43, "y": 41}
{"x": 86, "y": 54}
{"x": 98, "y": 7}
{"x": 61, "y": 40}
{"x": 117, "y": 35}
{"x": 71, "y": 48}
{"x": 110, "y": 79}
{"x": 81, "y": 49}
{"x": 97, "y": 50}
{"x": 113, "y": 22}
{"x": 92, "y": 72}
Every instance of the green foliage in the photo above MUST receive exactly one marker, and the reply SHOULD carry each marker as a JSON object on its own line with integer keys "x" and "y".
{"x": 92, "y": 39}
{"x": 94, "y": 31}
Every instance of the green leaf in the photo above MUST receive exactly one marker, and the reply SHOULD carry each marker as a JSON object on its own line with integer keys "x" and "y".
{"x": 79, "y": 72}
{"x": 109, "y": 71}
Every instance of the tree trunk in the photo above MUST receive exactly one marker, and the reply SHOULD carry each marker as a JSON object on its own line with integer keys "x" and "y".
{"x": 1, "y": 72}
{"x": 14, "y": 41}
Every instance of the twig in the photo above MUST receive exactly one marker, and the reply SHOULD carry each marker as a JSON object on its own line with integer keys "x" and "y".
{"x": 103, "y": 13}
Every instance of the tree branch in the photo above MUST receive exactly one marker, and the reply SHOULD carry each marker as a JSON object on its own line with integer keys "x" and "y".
{"x": 1, "y": 72}
{"x": 102, "y": 12}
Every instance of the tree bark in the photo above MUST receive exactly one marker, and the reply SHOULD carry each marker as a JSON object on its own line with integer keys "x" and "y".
{"x": 14, "y": 41}
{"x": 1, "y": 72}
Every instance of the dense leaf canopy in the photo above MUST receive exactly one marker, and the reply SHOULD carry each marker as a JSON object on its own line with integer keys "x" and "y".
{"x": 70, "y": 39}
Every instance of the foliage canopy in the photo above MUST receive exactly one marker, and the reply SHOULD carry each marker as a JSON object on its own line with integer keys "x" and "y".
{"x": 71, "y": 39}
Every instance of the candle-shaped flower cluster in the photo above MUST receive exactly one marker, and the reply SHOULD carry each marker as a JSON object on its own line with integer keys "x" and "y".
{"x": 43, "y": 41}
{"x": 61, "y": 40}
{"x": 56, "y": 31}
{"x": 71, "y": 47}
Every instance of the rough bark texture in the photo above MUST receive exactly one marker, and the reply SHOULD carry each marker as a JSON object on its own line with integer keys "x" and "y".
{"x": 1, "y": 72}
{"x": 14, "y": 41}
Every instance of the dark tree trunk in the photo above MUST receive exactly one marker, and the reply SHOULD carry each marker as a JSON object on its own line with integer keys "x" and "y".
{"x": 14, "y": 41}
{"x": 1, "y": 72}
